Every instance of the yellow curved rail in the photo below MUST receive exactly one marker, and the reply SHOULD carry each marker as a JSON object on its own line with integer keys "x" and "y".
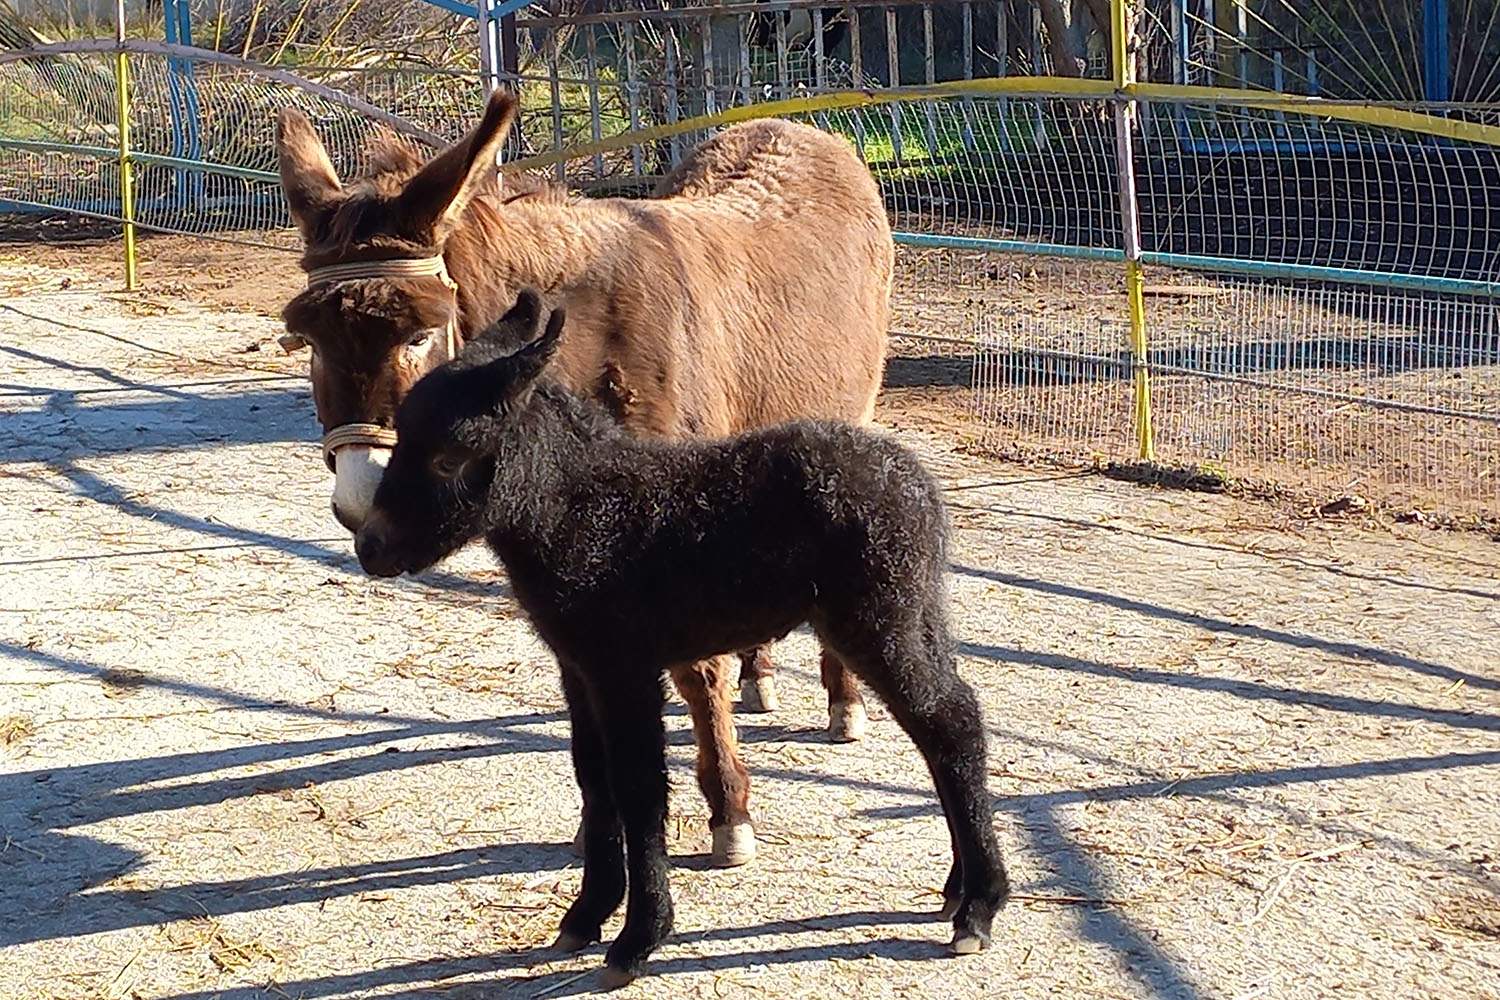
{"x": 1360, "y": 112}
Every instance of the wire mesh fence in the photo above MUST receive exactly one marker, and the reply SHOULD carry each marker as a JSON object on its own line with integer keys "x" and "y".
{"x": 1386, "y": 394}
{"x": 1320, "y": 296}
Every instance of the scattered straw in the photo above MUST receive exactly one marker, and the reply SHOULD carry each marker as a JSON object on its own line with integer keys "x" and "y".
{"x": 560, "y": 984}
{"x": 15, "y": 728}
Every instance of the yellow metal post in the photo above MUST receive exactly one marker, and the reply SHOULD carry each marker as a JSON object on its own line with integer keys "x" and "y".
{"x": 127, "y": 185}
{"x": 1130, "y": 225}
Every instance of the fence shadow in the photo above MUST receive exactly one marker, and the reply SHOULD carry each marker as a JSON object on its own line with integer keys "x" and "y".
{"x": 1333, "y": 647}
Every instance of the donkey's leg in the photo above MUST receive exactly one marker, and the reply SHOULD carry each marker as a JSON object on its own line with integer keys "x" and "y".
{"x": 914, "y": 674}
{"x": 601, "y": 833}
{"x": 847, "y": 720}
{"x": 635, "y": 751}
{"x": 758, "y": 680}
{"x": 722, "y": 776}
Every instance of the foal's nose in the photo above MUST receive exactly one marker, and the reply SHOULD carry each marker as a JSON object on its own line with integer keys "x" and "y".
{"x": 373, "y": 549}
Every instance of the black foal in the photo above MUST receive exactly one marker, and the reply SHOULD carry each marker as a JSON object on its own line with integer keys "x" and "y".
{"x": 629, "y": 556}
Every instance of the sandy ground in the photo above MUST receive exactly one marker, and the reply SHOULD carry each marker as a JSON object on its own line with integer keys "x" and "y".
{"x": 1235, "y": 754}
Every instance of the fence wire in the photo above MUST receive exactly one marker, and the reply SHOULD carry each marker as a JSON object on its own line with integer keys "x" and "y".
{"x": 1260, "y": 185}
{"x": 1393, "y": 395}
{"x": 1010, "y": 205}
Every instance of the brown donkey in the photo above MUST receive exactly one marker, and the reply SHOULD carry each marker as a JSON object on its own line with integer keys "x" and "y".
{"x": 754, "y": 288}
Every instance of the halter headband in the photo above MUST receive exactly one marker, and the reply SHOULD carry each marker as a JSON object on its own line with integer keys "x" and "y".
{"x": 412, "y": 267}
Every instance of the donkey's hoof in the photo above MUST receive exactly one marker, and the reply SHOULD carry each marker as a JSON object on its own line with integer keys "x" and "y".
{"x": 847, "y": 722}
{"x": 950, "y": 908}
{"x": 578, "y": 842}
{"x": 567, "y": 941}
{"x": 611, "y": 978}
{"x": 758, "y": 694}
{"x": 734, "y": 845}
{"x": 968, "y": 943}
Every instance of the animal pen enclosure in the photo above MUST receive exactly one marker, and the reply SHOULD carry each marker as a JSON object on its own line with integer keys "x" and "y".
{"x": 1233, "y": 241}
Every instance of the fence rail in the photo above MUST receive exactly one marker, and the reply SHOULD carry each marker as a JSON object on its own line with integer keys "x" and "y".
{"x": 1318, "y": 281}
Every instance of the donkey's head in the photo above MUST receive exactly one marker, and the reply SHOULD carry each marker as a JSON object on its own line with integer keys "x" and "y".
{"x": 452, "y": 430}
{"x": 380, "y": 309}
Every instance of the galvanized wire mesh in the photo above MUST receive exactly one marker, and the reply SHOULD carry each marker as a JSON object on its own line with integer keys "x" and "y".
{"x": 1386, "y": 394}
{"x": 1270, "y": 186}
{"x": 1011, "y": 204}
{"x": 1052, "y": 367}
{"x": 1378, "y": 50}
{"x": 202, "y": 135}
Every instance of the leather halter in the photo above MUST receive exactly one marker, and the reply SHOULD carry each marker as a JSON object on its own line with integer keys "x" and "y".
{"x": 419, "y": 267}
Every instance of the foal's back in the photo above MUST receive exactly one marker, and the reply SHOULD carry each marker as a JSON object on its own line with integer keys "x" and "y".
{"x": 682, "y": 551}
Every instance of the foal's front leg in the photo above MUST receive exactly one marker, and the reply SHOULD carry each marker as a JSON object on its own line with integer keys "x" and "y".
{"x": 601, "y": 834}
{"x": 635, "y": 753}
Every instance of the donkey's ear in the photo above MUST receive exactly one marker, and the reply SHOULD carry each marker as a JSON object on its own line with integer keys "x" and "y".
{"x": 531, "y": 360}
{"x": 307, "y": 176}
{"x": 436, "y": 197}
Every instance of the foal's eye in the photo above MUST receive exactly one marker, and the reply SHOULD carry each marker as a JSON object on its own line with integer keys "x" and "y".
{"x": 420, "y": 339}
{"x": 448, "y": 465}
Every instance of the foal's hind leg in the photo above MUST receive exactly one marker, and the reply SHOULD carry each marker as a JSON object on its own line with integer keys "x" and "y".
{"x": 722, "y": 776}
{"x": 914, "y": 674}
{"x": 758, "y": 680}
{"x": 847, "y": 719}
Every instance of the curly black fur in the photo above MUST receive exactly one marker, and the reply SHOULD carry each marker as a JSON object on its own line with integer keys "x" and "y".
{"x": 630, "y": 555}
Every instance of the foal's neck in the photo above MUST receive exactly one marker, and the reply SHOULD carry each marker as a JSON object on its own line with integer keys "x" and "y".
{"x": 558, "y": 443}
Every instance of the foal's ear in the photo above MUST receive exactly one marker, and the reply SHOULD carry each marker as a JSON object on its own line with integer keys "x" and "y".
{"x": 436, "y": 197}
{"x": 308, "y": 179}
{"x": 518, "y": 326}
{"x": 531, "y": 360}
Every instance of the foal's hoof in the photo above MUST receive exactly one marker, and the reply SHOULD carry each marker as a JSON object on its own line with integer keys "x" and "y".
{"x": 758, "y": 694}
{"x": 950, "y": 908}
{"x": 847, "y": 722}
{"x": 968, "y": 943}
{"x": 578, "y": 842}
{"x": 570, "y": 942}
{"x": 611, "y": 978}
{"x": 734, "y": 845}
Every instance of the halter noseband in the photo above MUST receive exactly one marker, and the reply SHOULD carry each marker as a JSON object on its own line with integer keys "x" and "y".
{"x": 418, "y": 267}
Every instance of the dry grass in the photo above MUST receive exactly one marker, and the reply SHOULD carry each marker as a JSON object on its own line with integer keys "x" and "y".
{"x": 15, "y": 730}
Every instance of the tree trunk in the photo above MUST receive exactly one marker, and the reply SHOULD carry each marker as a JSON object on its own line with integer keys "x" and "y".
{"x": 1065, "y": 42}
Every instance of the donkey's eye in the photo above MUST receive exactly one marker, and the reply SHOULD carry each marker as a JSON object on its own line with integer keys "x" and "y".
{"x": 420, "y": 340}
{"x": 448, "y": 465}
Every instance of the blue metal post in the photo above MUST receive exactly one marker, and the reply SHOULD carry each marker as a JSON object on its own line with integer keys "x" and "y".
{"x": 183, "y": 102}
{"x": 1435, "y": 65}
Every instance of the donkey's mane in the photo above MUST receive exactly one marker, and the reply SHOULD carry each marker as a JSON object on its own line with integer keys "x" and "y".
{"x": 390, "y": 162}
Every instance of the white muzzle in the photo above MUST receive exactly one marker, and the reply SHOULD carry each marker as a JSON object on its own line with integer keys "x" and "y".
{"x": 357, "y": 470}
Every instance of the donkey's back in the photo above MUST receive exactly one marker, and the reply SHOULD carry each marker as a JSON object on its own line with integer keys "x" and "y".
{"x": 789, "y": 252}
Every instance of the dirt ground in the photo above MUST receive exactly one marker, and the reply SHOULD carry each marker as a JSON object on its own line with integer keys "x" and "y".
{"x": 1235, "y": 753}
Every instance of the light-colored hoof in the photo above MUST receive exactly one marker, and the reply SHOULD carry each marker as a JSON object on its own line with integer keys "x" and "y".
{"x": 734, "y": 845}
{"x": 950, "y": 908}
{"x": 758, "y": 694}
{"x": 578, "y": 842}
{"x": 965, "y": 943}
{"x": 847, "y": 722}
{"x": 611, "y": 978}
{"x": 569, "y": 942}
